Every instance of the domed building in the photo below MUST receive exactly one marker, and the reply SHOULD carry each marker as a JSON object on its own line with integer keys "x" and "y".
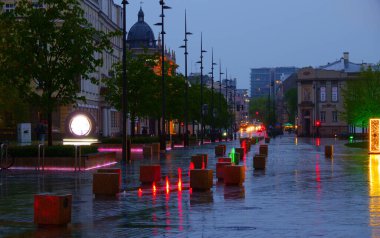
{"x": 140, "y": 35}
{"x": 141, "y": 40}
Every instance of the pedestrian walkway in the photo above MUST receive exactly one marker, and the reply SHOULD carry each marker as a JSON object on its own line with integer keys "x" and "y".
{"x": 299, "y": 194}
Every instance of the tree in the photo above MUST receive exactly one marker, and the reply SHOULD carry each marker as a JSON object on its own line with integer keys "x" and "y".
{"x": 362, "y": 96}
{"x": 143, "y": 87}
{"x": 49, "y": 51}
{"x": 260, "y": 105}
{"x": 291, "y": 97}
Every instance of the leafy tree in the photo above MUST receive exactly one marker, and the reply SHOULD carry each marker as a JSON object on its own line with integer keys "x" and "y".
{"x": 362, "y": 96}
{"x": 143, "y": 87}
{"x": 291, "y": 97}
{"x": 260, "y": 105}
{"x": 48, "y": 51}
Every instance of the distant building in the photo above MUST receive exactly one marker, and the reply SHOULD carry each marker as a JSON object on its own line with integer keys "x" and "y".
{"x": 320, "y": 100}
{"x": 263, "y": 78}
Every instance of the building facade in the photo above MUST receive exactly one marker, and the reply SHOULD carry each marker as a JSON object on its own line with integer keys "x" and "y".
{"x": 320, "y": 100}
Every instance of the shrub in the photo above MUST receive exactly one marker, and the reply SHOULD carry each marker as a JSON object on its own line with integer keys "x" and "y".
{"x": 50, "y": 151}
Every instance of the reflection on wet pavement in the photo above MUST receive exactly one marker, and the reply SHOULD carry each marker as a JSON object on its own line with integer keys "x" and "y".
{"x": 299, "y": 194}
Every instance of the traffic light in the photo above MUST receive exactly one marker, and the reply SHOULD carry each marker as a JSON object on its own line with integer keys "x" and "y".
{"x": 317, "y": 123}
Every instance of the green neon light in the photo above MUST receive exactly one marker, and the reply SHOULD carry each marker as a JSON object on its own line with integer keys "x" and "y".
{"x": 232, "y": 155}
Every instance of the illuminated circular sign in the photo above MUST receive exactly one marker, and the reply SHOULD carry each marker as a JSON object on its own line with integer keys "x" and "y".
{"x": 80, "y": 125}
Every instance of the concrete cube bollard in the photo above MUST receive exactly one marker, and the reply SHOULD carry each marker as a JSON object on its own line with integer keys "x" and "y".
{"x": 155, "y": 148}
{"x": 220, "y": 169}
{"x": 224, "y": 159}
{"x": 147, "y": 151}
{"x": 234, "y": 175}
{"x": 112, "y": 170}
{"x": 259, "y": 161}
{"x": 329, "y": 150}
{"x": 205, "y": 159}
{"x": 106, "y": 184}
{"x": 199, "y": 161}
{"x": 150, "y": 173}
{"x": 263, "y": 150}
{"x": 241, "y": 153}
{"x": 52, "y": 209}
{"x": 235, "y": 158}
{"x": 220, "y": 150}
{"x": 201, "y": 179}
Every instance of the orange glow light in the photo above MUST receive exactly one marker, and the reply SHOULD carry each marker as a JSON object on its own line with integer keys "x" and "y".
{"x": 179, "y": 179}
{"x": 374, "y": 132}
{"x": 154, "y": 188}
{"x": 167, "y": 185}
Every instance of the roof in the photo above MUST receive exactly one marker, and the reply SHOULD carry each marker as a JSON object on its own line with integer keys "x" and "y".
{"x": 141, "y": 35}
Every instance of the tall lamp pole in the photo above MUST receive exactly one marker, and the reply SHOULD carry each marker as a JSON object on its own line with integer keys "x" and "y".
{"x": 220, "y": 91}
{"x": 186, "y": 139}
{"x": 212, "y": 97}
{"x": 126, "y": 155}
{"x": 201, "y": 62}
{"x": 227, "y": 100}
{"x": 163, "y": 129}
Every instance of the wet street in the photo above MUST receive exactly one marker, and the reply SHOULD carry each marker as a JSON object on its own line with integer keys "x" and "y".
{"x": 300, "y": 194}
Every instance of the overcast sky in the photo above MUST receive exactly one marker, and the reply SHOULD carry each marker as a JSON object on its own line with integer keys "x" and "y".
{"x": 267, "y": 33}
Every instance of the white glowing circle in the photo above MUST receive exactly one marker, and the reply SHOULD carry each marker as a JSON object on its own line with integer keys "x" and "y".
{"x": 80, "y": 125}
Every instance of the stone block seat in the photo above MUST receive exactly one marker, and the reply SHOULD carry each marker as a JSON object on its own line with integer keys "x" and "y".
{"x": 50, "y": 209}
{"x": 106, "y": 184}
{"x": 259, "y": 161}
{"x": 220, "y": 169}
{"x": 234, "y": 175}
{"x": 150, "y": 174}
{"x": 201, "y": 179}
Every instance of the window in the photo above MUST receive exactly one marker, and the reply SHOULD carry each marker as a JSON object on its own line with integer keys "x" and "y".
{"x": 114, "y": 120}
{"x": 306, "y": 94}
{"x": 323, "y": 116}
{"x": 335, "y": 116}
{"x": 334, "y": 93}
{"x": 323, "y": 94}
{"x": 9, "y": 7}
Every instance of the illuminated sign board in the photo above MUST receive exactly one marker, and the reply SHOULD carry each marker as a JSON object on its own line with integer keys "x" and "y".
{"x": 374, "y": 132}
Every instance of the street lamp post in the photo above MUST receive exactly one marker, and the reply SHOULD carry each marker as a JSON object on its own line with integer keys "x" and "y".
{"x": 163, "y": 129}
{"x": 227, "y": 100}
{"x": 126, "y": 152}
{"x": 186, "y": 138}
{"x": 220, "y": 92}
{"x": 212, "y": 98}
{"x": 201, "y": 62}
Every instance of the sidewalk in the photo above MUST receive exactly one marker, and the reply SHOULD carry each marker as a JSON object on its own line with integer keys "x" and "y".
{"x": 300, "y": 194}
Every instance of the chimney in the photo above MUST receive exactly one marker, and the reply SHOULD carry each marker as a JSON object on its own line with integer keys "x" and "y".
{"x": 346, "y": 57}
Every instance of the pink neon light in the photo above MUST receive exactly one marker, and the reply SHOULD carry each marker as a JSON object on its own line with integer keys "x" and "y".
{"x": 64, "y": 168}
{"x": 46, "y": 168}
{"x": 179, "y": 146}
{"x": 100, "y": 165}
{"x": 136, "y": 150}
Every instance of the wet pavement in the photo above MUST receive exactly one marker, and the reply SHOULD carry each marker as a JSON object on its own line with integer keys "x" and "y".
{"x": 300, "y": 194}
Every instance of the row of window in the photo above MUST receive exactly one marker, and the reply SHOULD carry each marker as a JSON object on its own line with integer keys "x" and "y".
{"x": 334, "y": 116}
{"x": 334, "y": 94}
